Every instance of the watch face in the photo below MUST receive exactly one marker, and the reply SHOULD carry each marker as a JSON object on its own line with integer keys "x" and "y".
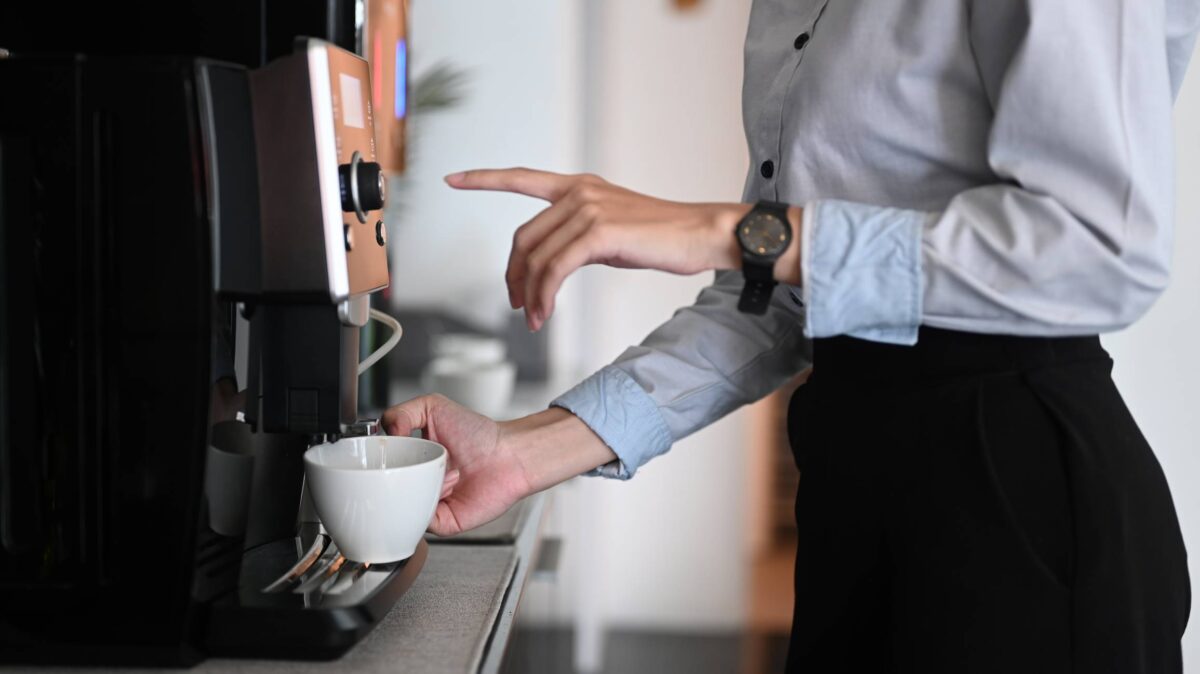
{"x": 763, "y": 234}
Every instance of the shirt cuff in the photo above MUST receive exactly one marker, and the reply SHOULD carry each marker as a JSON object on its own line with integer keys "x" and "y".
{"x": 861, "y": 271}
{"x": 616, "y": 408}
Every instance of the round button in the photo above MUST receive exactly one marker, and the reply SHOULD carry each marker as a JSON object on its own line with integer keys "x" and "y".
{"x": 767, "y": 169}
{"x": 801, "y": 40}
{"x": 380, "y": 233}
{"x": 349, "y": 236}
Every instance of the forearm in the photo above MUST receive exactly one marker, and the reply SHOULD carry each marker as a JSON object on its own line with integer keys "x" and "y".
{"x": 553, "y": 446}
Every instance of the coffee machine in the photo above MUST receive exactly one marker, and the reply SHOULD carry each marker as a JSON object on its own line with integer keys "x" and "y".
{"x": 162, "y": 217}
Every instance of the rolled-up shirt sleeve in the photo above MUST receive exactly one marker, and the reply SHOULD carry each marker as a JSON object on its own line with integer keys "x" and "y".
{"x": 1075, "y": 236}
{"x": 703, "y": 363}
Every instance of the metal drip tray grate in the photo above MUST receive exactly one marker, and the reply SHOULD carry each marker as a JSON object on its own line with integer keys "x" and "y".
{"x": 321, "y": 569}
{"x": 311, "y": 566}
{"x": 300, "y": 598}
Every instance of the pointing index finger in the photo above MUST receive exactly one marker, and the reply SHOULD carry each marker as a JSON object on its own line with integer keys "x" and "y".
{"x": 539, "y": 184}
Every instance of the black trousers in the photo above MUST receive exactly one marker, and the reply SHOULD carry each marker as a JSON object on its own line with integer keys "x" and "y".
{"x": 979, "y": 504}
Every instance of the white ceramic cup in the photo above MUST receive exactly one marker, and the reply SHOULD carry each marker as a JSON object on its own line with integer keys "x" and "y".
{"x": 486, "y": 388}
{"x": 469, "y": 348}
{"x": 376, "y": 494}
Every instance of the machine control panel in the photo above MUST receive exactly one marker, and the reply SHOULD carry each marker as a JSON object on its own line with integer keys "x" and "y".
{"x": 359, "y": 175}
{"x": 323, "y": 189}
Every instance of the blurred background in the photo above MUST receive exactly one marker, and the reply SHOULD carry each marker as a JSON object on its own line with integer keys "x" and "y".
{"x": 687, "y": 567}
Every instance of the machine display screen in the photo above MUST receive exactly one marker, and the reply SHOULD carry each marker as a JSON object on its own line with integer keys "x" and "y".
{"x": 352, "y": 101}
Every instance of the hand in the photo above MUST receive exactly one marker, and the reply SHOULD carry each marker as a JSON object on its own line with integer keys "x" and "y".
{"x": 483, "y": 479}
{"x": 591, "y": 221}
{"x": 493, "y": 465}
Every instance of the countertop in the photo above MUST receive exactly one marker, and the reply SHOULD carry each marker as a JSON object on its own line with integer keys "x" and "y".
{"x": 456, "y": 618}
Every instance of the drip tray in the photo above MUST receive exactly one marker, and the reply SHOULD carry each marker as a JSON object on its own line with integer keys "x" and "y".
{"x": 299, "y": 598}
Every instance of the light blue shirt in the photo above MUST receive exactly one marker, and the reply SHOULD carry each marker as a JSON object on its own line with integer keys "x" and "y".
{"x": 994, "y": 166}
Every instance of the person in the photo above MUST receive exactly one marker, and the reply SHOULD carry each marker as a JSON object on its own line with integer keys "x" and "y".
{"x": 947, "y": 202}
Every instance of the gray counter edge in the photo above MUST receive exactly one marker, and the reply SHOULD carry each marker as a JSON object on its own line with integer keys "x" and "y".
{"x": 527, "y": 545}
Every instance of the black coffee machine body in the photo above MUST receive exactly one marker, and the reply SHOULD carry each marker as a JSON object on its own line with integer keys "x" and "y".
{"x": 147, "y": 201}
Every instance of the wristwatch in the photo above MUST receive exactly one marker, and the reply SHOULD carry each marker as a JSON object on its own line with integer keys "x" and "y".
{"x": 764, "y": 234}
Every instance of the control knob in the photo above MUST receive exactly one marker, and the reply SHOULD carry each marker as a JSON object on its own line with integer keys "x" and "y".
{"x": 363, "y": 186}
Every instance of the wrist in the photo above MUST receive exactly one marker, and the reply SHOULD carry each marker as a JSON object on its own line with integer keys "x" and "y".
{"x": 723, "y": 222}
{"x": 725, "y": 219}
{"x": 552, "y": 446}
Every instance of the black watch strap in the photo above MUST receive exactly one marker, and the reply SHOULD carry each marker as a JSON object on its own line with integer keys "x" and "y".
{"x": 760, "y": 275}
{"x": 756, "y": 297}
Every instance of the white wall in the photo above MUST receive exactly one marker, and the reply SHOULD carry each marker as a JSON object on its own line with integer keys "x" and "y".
{"x": 668, "y": 549}
{"x": 663, "y": 91}
{"x": 670, "y": 125}
{"x": 1158, "y": 359}
{"x": 521, "y": 108}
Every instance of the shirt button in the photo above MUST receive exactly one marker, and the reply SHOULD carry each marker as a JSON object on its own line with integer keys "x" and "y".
{"x": 767, "y": 169}
{"x": 801, "y": 40}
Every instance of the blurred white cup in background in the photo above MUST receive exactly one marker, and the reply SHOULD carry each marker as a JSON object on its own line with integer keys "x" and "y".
{"x": 469, "y": 348}
{"x": 485, "y": 387}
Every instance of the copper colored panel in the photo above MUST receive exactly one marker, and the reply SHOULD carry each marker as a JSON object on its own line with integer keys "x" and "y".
{"x": 353, "y": 120}
{"x": 312, "y": 112}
